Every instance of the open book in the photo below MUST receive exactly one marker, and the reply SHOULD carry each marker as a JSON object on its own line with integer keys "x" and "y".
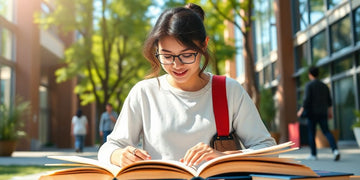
{"x": 254, "y": 161}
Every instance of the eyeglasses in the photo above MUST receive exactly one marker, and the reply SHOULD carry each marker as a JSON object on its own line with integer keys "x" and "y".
{"x": 185, "y": 58}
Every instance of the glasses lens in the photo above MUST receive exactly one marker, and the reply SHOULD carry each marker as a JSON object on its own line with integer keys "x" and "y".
{"x": 165, "y": 58}
{"x": 187, "y": 58}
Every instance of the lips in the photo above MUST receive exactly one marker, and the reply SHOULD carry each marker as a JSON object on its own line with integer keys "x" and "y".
{"x": 180, "y": 73}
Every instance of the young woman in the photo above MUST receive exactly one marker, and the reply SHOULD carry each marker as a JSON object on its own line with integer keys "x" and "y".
{"x": 173, "y": 112}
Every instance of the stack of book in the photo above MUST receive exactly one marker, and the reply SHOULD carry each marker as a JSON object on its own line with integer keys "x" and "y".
{"x": 261, "y": 164}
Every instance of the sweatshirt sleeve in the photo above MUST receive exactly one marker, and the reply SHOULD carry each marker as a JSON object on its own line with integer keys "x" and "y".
{"x": 127, "y": 128}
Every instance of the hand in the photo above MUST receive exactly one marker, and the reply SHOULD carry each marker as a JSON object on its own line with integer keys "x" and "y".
{"x": 199, "y": 153}
{"x": 128, "y": 155}
{"x": 330, "y": 115}
{"x": 300, "y": 112}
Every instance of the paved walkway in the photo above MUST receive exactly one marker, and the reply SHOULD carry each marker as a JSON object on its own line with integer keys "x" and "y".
{"x": 349, "y": 162}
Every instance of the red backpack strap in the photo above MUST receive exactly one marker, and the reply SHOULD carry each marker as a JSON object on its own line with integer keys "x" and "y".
{"x": 220, "y": 105}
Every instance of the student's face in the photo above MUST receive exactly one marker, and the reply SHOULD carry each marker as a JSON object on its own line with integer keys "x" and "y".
{"x": 182, "y": 75}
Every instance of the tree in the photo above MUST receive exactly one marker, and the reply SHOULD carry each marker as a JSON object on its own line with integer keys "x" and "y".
{"x": 106, "y": 57}
{"x": 228, "y": 10}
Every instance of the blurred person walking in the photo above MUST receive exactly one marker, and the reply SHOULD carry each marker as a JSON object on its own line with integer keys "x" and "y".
{"x": 317, "y": 108}
{"x": 79, "y": 129}
{"x": 107, "y": 121}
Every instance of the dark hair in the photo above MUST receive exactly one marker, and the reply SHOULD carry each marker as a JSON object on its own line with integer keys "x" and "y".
{"x": 184, "y": 24}
{"x": 79, "y": 113}
{"x": 197, "y": 9}
{"x": 314, "y": 71}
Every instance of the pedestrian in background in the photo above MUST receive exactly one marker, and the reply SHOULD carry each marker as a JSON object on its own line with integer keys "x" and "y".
{"x": 107, "y": 121}
{"x": 79, "y": 129}
{"x": 317, "y": 108}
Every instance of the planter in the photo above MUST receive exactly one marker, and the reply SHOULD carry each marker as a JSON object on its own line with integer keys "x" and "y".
{"x": 357, "y": 134}
{"x": 7, "y": 148}
{"x": 321, "y": 141}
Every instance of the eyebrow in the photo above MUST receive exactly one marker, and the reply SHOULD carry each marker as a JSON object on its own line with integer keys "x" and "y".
{"x": 168, "y": 51}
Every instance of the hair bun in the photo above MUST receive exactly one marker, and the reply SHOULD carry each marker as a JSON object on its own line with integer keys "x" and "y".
{"x": 197, "y": 9}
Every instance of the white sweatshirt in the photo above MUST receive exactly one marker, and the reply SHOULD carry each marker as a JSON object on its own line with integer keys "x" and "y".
{"x": 172, "y": 120}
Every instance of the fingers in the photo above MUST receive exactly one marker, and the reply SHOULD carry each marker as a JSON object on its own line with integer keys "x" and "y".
{"x": 141, "y": 154}
{"x": 199, "y": 153}
{"x": 128, "y": 155}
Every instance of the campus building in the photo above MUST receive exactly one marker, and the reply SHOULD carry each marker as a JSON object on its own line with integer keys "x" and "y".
{"x": 288, "y": 37}
{"x": 29, "y": 57}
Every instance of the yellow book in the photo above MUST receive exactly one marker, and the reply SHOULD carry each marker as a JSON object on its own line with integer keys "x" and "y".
{"x": 255, "y": 161}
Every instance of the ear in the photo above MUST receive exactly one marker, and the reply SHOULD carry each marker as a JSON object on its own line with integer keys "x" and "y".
{"x": 206, "y": 41}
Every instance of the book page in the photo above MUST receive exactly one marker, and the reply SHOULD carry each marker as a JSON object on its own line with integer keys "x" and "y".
{"x": 272, "y": 150}
{"x": 160, "y": 164}
{"x": 113, "y": 169}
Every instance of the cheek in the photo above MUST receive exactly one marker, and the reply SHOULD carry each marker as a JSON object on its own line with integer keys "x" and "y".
{"x": 198, "y": 62}
{"x": 165, "y": 68}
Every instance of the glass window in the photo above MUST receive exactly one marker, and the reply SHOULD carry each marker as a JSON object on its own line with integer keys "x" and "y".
{"x": 357, "y": 24}
{"x": 5, "y": 85}
{"x": 324, "y": 71}
{"x": 261, "y": 77}
{"x": 303, "y": 78}
{"x": 276, "y": 71}
{"x": 319, "y": 49}
{"x": 316, "y": 10}
{"x": 343, "y": 65}
{"x": 45, "y": 8}
{"x": 7, "y": 9}
{"x": 258, "y": 79}
{"x": 268, "y": 77}
{"x": 265, "y": 28}
{"x": 301, "y": 55}
{"x": 262, "y": 28}
{"x": 333, "y": 3}
{"x": 240, "y": 66}
{"x": 299, "y": 97}
{"x": 6, "y": 43}
{"x": 303, "y": 14}
{"x": 273, "y": 37}
{"x": 344, "y": 104}
{"x": 273, "y": 30}
{"x": 301, "y": 82}
{"x": 340, "y": 34}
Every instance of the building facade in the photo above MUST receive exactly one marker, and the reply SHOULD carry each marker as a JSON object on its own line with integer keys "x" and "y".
{"x": 29, "y": 57}
{"x": 290, "y": 36}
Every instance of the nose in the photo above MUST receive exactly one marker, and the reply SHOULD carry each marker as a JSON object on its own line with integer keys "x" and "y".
{"x": 177, "y": 61}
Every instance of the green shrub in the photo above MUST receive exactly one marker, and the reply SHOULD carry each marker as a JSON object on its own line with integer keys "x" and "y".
{"x": 11, "y": 123}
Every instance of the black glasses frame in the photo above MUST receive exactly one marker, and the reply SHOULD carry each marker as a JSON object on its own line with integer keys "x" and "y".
{"x": 177, "y": 56}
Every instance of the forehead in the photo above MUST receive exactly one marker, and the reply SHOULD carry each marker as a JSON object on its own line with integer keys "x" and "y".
{"x": 169, "y": 43}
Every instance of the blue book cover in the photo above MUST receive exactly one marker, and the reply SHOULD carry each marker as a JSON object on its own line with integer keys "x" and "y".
{"x": 227, "y": 176}
{"x": 321, "y": 173}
